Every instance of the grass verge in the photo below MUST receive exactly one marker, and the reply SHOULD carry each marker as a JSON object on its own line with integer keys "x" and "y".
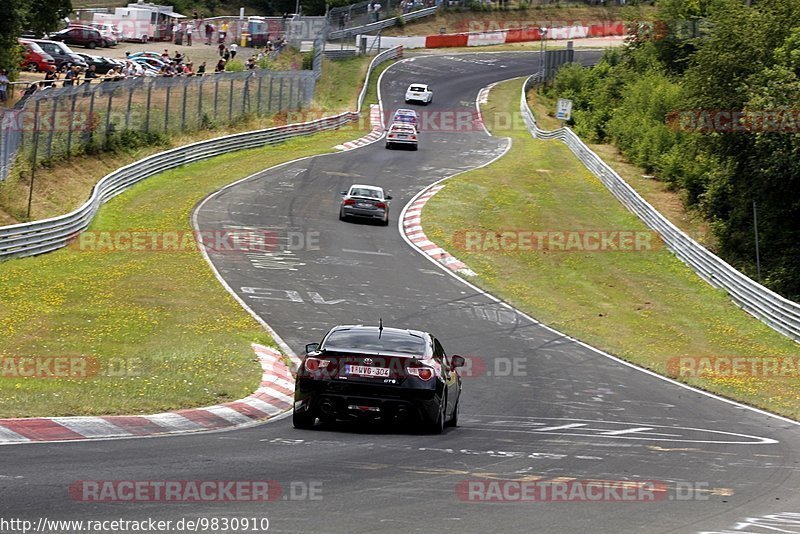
{"x": 646, "y": 307}
{"x": 668, "y": 202}
{"x": 130, "y": 322}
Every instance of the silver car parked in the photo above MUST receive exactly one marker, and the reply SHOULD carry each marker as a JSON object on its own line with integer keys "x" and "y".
{"x": 365, "y": 201}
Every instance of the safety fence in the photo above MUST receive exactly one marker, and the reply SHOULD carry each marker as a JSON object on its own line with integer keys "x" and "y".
{"x": 61, "y": 122}
{"x": 776, "y": 311}
{"x": 42, "y": 236}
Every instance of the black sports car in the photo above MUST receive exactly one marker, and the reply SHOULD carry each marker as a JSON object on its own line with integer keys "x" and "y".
{"x": 381, "y": 374}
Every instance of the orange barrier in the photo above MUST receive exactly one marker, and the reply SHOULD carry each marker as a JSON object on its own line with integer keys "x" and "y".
{"x": 446, "y": 41}
{"x": 607, "y": 29}
{"x": 523, "y": 35}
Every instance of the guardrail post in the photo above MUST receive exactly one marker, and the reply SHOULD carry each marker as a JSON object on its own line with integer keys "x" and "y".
{"x": 128, "y": 108}
{"x": 280, "y": 95}
{"x": 52, "y": 131}
{"x": 199, "y": 101}
{"x": 291, "y": 87}
{"x": 88, "y": 137}
{"x": 183, "y": 108}
{"x": 216, "y": 95}
{"x": 245, "y": 93}
{"x": 34, "y": 151}
{"x": 269, "y": 100}
{"x": 108, "y": 113}
{"x": 230, "y": 102}
{"x": 147, "y": 110}
{"x": 258, "y": 95}
{"x": 166, "y": 111}
{"x": 71, "y": 123}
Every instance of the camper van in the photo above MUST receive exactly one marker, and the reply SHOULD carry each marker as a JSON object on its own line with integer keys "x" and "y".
{"x": 141, "y": 21}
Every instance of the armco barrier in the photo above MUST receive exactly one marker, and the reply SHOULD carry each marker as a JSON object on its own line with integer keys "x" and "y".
{"x": 29, "y": 239}
{"x": 776, "y": 311}
{"x": 367, "y": 28}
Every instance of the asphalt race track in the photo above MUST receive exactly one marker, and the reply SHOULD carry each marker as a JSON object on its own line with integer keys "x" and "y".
{"x": 565, "y": 412}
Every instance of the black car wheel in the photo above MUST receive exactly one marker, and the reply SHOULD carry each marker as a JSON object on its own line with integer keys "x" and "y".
{"x": 385, "y": 222}
{"x": 437, "y": 427}
{"x": 302, "y": 421}
{"x": 342, "y": 216}
{"x": 454, "y": 420}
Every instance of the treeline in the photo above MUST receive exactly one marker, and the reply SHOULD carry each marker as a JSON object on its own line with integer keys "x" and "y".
{"x": 707, "y": 98}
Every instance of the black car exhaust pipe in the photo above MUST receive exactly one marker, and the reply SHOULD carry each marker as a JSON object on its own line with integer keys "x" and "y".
{"x": 401, "y": 415}
{"x": 327, "y": 408}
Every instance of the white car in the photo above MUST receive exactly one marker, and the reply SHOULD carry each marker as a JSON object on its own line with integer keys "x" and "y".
{"x": 366, "y": 202}
{"x": 419, "y": 92}
{"x": 401, "y": 134}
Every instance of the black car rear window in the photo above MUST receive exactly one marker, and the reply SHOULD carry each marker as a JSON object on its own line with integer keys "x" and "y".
{"x": 368, "y": 341}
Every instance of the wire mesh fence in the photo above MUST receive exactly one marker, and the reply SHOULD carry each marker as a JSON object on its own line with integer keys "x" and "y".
{"x": 61, "y": 122}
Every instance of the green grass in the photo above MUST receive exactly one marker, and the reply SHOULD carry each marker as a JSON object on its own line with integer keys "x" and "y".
{"x": 180, "y": 339}
{"x": 646, "y": 307}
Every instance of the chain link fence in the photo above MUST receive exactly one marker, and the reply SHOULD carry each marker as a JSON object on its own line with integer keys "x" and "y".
{"x": 62, "y": 122}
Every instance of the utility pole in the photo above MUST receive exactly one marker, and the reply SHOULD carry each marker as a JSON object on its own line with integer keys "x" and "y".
{"x": 755, "y": 230}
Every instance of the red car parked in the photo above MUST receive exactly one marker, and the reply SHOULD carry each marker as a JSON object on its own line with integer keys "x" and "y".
{"x": 35, "y": 59}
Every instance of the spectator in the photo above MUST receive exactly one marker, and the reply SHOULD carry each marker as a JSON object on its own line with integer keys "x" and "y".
{"x": 223, "y": 32}
{"x": 220, "y": 66}
{"x": 251, "y": 63}
{"x": 226, "y": 55}
{"x": 201, "y": 69}
{"x": 4, "y": 81}
{"x": 90, "y": 75}
{"x": 342, "y": 20}
{"x": 71, "y": 76}
{"x": 178, "y": 57}
{"x": 165, "y": 55}
{"x": 221, "y": 49}
{"x": 189, "y": 32}
{"x": 233, "y": 48}
{"x": 377, "y": 10}
{"x": 50, "y": 77}
{"x": 209, "y": 33}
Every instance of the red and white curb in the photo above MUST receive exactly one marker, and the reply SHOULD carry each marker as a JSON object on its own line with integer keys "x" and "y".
{"x": 412, "y": 228}
{"x": 274, "y": 397}
{"x": 374, "y": 135}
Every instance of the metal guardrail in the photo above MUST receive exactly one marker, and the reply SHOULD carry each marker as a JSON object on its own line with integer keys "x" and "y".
{"x": 367, "y": 28}
{"x": 38, "y": 237}
{"x": 776, "y": 311}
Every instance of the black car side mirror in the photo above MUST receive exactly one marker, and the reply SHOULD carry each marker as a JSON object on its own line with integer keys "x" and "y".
{"x": 312, "y": 347}
{"x": 388, "y": 197}
{"x": 457, "y": 361}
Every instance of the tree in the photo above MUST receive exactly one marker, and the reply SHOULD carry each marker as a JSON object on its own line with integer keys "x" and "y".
{"x": 46, "y": 15}
{"x": 11, "y": 24}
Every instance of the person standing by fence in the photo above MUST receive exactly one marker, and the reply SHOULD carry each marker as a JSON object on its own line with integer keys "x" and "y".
{"x": 233, "y": 49}
{"x": 4, "y": 81}
{"x": 209, "y": 32}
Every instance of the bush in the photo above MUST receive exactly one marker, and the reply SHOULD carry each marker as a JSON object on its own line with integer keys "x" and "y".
{"x": 234, "y": 65}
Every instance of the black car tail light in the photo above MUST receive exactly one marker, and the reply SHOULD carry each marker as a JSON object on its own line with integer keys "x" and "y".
{"x": 424, "y": 373}
{"x": 316, "y": 364}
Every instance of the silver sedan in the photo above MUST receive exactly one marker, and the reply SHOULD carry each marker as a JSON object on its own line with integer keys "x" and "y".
{"x": 365, "y": 202}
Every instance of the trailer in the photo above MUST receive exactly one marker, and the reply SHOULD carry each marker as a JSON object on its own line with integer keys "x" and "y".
{"x": 142, "y": 21}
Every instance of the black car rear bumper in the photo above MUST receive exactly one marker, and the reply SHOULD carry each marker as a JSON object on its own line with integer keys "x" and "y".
{"x": 332, "y": 400}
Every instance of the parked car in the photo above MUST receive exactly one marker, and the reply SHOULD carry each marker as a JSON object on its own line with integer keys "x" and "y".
{"x": 61, "y": 53}
{"x": 101, "y": 64}
{"x": 35, "y": 59}
{"x": 419, "y": 92}
{"x": 371, "y": 373}
{"x": 366, "y": 202}
{"x": 401, "y": 134}
{"x": 107, "y": 30}
{"x": 85, "y": 36}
